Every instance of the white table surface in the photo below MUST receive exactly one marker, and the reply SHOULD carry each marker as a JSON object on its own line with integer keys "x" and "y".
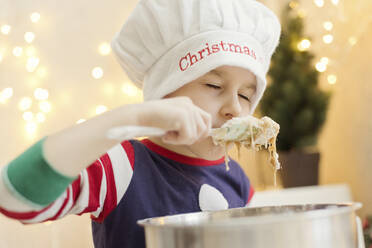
{"x": 337, "y": 193}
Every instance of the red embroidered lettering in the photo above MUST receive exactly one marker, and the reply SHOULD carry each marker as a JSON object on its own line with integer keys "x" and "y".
{"x": 223, "y": 48}
{"x": 246, "y": 51}
{"x": 187, "y": 64}
{"x": 209, "y": 51}
{"x": 237, "y": 48}
{"x": 254, "y": 55}
{"x": 201, "y": 54}
{"x": 215, "y": 48}
{"x": 191, "y": 57}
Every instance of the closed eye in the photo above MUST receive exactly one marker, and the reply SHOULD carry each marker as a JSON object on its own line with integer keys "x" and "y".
{"x": 218, "y": 87}
{"x": 245, "y": 98}
{"x": 213, "y": 86}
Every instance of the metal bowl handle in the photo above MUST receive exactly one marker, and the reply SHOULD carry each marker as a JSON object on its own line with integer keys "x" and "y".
{"x": 361, "y": 243}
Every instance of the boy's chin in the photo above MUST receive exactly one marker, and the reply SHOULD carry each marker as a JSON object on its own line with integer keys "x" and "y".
{"x": 209, "y": 142}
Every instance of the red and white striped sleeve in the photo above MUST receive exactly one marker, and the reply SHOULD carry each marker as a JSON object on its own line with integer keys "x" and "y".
{"x": 98, "y": 190}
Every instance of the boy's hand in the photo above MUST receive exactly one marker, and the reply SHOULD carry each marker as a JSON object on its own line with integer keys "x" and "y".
{"x": 184, "y": 122}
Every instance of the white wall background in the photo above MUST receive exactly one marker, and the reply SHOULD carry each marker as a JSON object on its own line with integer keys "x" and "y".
{"x": 67, "y": 39}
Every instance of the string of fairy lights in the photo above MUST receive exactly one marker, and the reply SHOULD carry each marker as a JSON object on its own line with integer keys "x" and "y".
{"x": 34, "y": 109}
{"x": 323, "y": 64}
{"x": 305, "y": 43}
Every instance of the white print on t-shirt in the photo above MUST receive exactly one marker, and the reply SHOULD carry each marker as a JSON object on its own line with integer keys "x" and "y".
{"x": 211, "y": 199}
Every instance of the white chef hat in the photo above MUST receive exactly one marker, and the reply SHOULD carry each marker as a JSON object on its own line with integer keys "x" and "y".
{"x": 166, "y": 44}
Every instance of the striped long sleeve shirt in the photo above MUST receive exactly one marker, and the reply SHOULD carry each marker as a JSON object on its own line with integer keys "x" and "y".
{"x": 132, "y": 181}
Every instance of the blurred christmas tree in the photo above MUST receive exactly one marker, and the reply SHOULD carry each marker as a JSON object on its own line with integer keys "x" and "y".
{"x": 367, "y": 231}
{"x": 293, "y": 98}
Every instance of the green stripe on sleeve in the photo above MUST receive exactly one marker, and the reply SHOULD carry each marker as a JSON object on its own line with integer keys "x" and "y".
{"x": 33, "y": 178}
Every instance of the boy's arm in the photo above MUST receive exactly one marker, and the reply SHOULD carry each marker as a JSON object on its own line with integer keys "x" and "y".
{"x": 97, "y": 190}
{"x": 82, "y": 144}
{"x": 85, "y": 142}
{"x": 39, "y": 177}
{"x": 42, "y": 173}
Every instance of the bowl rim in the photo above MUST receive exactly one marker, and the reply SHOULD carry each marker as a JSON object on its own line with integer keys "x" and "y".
{"x": 330, "y": 209}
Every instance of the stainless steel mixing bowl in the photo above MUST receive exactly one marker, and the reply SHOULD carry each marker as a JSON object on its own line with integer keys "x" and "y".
{"x": 294, "y": 226}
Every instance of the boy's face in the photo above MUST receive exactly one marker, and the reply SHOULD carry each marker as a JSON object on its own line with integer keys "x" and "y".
{"x": 224, "y": 92}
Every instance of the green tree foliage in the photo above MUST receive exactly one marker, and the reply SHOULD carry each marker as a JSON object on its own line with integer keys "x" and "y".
{"x": 293, "y": 98}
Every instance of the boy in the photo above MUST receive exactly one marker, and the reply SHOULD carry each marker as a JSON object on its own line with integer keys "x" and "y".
{"x": 200, "y": 63}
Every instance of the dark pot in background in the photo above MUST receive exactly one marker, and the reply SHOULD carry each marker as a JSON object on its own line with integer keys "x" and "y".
{"x": 299, "y": 168}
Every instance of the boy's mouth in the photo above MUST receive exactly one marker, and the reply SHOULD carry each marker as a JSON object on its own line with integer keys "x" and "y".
{"x": 217, "y": 125}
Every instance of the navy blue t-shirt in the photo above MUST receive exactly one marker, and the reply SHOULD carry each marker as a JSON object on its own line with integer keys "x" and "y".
{"x": 168, "y": 183}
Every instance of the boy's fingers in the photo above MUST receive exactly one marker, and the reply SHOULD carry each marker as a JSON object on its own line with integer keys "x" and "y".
{"x": 207, "y": 120}
{"x": 185, "y": 132}
{"x": 202, "y": 127}
{"x": 193, "y": 124}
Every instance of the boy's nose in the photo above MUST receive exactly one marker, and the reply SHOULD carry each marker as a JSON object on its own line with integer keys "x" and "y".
{"x": 229, "y": 116}
{"x": 231, "y": 108}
